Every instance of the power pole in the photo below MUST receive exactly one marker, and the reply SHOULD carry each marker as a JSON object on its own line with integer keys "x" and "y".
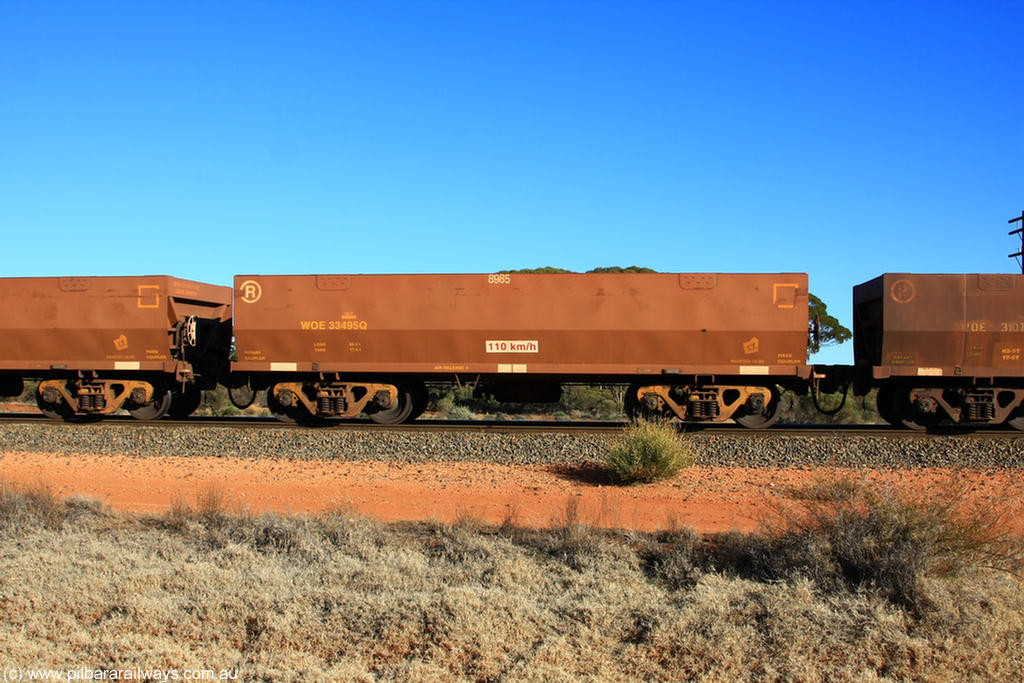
{"x": 1019, "y": 231}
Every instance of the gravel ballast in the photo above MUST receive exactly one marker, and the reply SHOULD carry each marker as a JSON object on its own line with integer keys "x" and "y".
{"x": 531, "y": 447}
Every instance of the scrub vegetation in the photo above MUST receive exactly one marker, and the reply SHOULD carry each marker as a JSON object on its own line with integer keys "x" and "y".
{"x": 797, "y": 409}
{"x": 581, "y": 402}
{"x": 845, "y": 584}
{"x": 646, "y": 451}
{"x": 577, "y": 402}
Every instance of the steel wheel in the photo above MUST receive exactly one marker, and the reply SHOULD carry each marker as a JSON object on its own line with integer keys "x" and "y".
{"x": 635, "y": 409}
{"x": 768, "y": 416}
{"x": 297, "y": 413}
{"x": 400, "y": 412}
{"x": 1016, "y": 420}
{"x": 184, "y": 403}
{"x": 918, "y": 425}
{"x": 907, "y": 415}
{"x": 55, "y": 411}
{"x": 155, "y": 409}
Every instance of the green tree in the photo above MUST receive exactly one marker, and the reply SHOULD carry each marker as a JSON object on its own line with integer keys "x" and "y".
{"x": 544, "y": 269}
{"x": 830, "y": 331}
{"x": 620, "y": 269}
{"x": 602, "y": 269}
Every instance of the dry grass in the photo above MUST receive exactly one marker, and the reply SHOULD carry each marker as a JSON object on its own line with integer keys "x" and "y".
{"x": 886, "y": 540}
{"x": 338, "y": 597}
{"x": 647, "y": 451}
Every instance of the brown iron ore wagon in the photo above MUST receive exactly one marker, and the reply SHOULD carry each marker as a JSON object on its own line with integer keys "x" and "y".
{"x": 147, "y": 344}
{"x": 700, "y": 346}
{"x": 942, "y": 347}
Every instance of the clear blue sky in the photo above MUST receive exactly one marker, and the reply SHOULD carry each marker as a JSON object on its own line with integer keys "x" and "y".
{"x": 204, "y": 139}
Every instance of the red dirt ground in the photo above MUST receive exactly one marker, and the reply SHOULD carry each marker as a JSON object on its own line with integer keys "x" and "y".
{"x": 707, "y": 499}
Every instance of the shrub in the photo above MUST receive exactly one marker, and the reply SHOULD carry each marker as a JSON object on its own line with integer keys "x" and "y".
{"x": 460, "y": 413}
{"x": 590, "y": 401}
{"x": 215, "y": 402}
{"x": 845, "y": 532}
{"x": 647, "y": 451}
{"x": 458, "y": 403}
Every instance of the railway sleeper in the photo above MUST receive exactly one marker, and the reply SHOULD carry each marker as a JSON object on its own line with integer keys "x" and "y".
{"x": 59, "y": 398}
{"x": 751, "y": 406}
{"x": 922, "y": 407}
{"x": 331, "y": 399}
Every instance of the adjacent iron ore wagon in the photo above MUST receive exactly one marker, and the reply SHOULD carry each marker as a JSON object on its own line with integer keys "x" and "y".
{"x": 942, "y": 347}
{"x": 148, "y": 345}
{"x": 705, "y": 346}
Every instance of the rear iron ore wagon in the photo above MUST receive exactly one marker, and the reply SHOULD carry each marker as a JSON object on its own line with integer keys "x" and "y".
{"x": 942, "y": 347}
{"x": 702, "y": 347}
{"x": 147, "y": 344}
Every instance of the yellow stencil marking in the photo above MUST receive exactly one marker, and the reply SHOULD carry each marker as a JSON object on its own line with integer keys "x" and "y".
{"x": 149, "y": 296}
{"x": 784, "y": 294}
{"x": 251, "y": 291}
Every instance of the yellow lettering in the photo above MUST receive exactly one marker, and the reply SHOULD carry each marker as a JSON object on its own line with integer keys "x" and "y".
{"x": 332, "y": 325}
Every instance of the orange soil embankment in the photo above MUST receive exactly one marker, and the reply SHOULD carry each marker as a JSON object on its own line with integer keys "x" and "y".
{"x": 707, "y": 499}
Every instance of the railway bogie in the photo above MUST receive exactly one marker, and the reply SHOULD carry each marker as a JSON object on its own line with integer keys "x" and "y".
{"x": 333, "y": 398}
{"x": 919, "y": 405}
{"x": 754, "y": 406}
{"x": 144, "y": 400}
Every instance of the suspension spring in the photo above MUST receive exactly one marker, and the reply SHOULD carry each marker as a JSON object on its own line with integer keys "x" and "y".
{"x": 331, "y": 405}
{"x": 92, "y": 401}
{"x": 703, "y": 408}
{"x": 980, "y": 408}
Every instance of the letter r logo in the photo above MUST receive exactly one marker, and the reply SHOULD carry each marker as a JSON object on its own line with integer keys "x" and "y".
{"x": 251, "y": 291}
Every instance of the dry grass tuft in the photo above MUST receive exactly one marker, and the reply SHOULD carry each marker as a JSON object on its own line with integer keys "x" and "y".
{"x": 573, "y": 539}
{"x": 27, "y": 507}
{"x": 211, "y": 503}
{"x": 647, "y": 451}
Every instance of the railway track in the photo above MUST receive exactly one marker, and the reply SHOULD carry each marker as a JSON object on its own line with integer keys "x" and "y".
{"x": 518, "y": 427}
